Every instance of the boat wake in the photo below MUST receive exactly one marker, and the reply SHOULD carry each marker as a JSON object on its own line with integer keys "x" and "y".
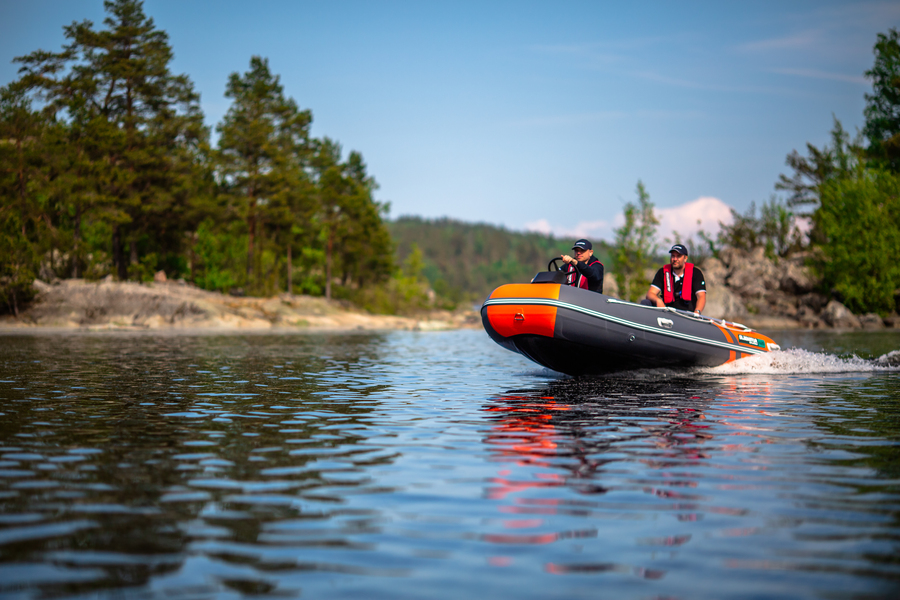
{"x": 794, "y": 361}
{"x": 798, "y": 361}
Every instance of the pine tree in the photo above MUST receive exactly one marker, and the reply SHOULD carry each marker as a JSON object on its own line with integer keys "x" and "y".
{"x": 133, "y": 132}
{"x": 882, "y": 111}
{"x": 21, "y": 222}
{"x": 262, "y": 154}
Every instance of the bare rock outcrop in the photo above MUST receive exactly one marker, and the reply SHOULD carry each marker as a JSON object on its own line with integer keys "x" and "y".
{"x": 839, "y": 316}
{"x": 748, "y": 286}
{"x": 75, "y": 303}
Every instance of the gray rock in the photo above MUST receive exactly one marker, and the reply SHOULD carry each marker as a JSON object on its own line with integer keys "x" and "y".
{"x": 839, "y": 316}
{"x": 751, "y": 274}
{"x": 610, "y": 287}
{"x": 796, "y": 279}
{"x": 814, "y": 301}
{"x": 715, "y": 272}
{"x": 783, "y": 304}
{"x": 722, "y": 303}
{"x": 809, "y": 318}
{"x": 871, "y": 321}
{"x": 730, "y": 257}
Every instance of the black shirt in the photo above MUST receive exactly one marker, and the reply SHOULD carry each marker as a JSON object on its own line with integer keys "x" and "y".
{"x": 592, "y": 270}
{"x": 698, "y": 284}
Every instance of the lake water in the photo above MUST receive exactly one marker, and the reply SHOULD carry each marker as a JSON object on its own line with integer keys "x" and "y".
{"x": 438, "y": 465}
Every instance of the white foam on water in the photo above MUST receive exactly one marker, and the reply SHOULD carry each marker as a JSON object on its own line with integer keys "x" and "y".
{"x": 891, "y": 359}
{"x": 797, "y": 361}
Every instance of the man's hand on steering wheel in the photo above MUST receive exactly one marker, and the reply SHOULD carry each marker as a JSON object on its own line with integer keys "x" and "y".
{"x": 555, "y": 264}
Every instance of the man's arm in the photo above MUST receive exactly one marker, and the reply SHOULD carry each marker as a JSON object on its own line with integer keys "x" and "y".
{"x": 699, "y": 290}
{"x": 653, "y": 296}
{"x": 701, "y": 301}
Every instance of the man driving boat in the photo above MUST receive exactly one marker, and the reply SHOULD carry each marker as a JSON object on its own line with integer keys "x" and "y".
{"x": 583, "y": 270}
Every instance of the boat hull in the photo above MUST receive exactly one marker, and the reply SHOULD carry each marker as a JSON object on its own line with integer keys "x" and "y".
{"x": 579, "y": 332}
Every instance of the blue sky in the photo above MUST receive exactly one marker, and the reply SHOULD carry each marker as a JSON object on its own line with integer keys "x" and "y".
{"x": 538, "y": 115}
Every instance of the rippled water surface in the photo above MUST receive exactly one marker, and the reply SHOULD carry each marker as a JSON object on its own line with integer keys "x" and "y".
{"x": 438, "y": 465}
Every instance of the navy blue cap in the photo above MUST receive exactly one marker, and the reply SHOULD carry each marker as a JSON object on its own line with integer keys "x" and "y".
{"x": 583, "y": 244}
{"x": 679, "y": 248}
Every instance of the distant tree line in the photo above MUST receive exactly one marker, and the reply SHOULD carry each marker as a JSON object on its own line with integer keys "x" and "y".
{"x": 466, "y": 261}
{"x": 107, "y": 169}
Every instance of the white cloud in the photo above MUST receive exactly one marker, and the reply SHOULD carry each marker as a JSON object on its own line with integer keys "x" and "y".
{"x": 683, "y": 219}
{"x": 592, "y": 230}
{"x": 703, "y": 213}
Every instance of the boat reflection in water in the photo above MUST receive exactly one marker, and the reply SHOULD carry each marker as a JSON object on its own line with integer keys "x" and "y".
{"x": 629, "y": 458}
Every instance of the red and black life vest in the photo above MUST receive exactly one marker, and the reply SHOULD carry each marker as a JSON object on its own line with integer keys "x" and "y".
{"x": 575, "y": 278}
{"x": 669, "y": 283}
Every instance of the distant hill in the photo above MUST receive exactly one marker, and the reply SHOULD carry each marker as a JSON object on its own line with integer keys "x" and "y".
{"x": 466, "y": 261}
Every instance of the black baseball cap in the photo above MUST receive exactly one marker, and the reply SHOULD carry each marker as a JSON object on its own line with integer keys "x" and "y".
{"x": 583, "y": 244}
{"x": 679, "y": 248}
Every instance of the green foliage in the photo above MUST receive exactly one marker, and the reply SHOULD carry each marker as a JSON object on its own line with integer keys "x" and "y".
{"x": 860, "y": 220}
{"x": 775, "y": 229}
{"x": 107, "y": 169}
{"x": 464, "y": 262}
{"x": 18, "y": 262}
{"x": 126, "y": 136}
{"x": 705, "y": 246}
{"x": 260, "y": 162}
{"x": 812, "y": 172}
{"x": 635, "y": 246}
{"x": 882, "y": 111}
{"x": 217, "y": 257}
{"x": 405, "y": 292}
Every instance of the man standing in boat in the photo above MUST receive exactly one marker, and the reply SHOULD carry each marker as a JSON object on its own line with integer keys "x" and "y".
{"x": 678, "y": 284}
{"x": 584, "y": 270}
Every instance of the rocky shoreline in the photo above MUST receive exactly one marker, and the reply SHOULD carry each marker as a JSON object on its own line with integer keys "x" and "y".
{"x": 762, "y": 293}
{"x": 752, "y": 289}
{"x": 743, "y": 286}
{"x": 75, "y": 304}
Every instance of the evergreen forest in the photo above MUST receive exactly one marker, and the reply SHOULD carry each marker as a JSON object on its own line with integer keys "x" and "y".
{"x": 107, "y": 170}
{"x": 465, "y": 261}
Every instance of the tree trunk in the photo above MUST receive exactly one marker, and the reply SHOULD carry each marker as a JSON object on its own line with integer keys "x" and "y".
{"x": 118, "y": 255}
{"x": 290, "y": 273}
{"x": 76, "y": 242}
{"x": 328, "y": 264}
{"x": 251, "y": 237}
{"x": 193, "y": 257}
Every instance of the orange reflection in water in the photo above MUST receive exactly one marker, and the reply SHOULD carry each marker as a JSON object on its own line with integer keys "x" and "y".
{"x": 526, "y": 436}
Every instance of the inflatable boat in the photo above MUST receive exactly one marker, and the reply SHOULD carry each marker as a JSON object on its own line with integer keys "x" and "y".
{"x": 579, "y": 332}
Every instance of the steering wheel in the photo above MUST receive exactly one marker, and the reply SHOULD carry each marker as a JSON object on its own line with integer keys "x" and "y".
{"x": 555, "y": 264}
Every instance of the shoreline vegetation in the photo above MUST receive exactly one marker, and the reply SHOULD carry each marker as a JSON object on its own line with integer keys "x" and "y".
{"x": 111, "y": 188}
{"x": 173, "y": 306}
